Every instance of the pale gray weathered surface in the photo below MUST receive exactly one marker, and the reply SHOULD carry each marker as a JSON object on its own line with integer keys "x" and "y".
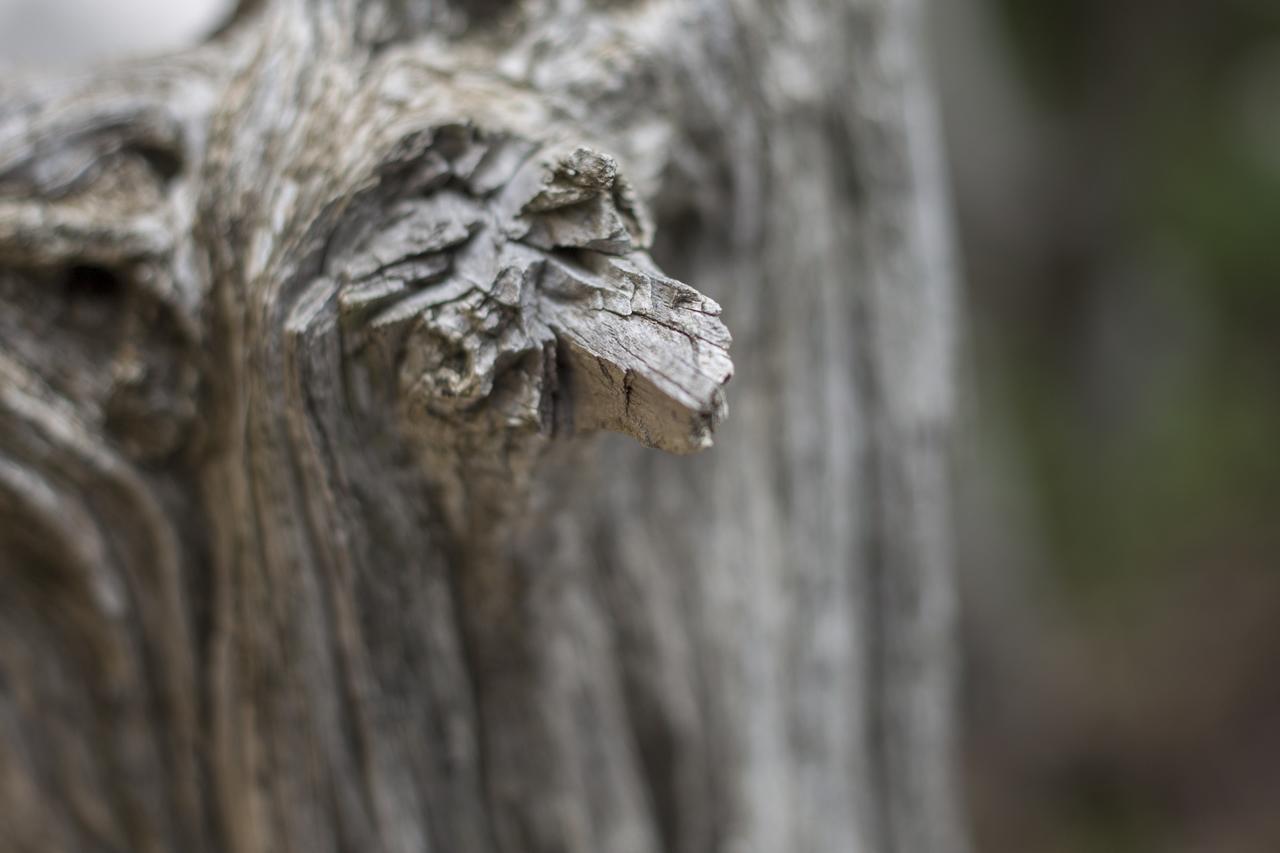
{"x": 305, "y": 541}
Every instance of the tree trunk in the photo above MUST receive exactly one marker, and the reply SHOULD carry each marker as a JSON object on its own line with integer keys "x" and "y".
{"x": 305, "y": 544}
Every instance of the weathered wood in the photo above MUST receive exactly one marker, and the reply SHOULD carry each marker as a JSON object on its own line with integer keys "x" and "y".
{"x": 305, "y": 541}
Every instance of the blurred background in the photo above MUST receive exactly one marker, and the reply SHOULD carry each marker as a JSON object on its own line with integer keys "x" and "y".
{"x": 1116, "y": 171}
{"x": 1116, "y": 166}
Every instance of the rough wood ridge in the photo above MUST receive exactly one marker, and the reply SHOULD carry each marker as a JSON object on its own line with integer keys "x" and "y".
{"x": 305, "y": 544}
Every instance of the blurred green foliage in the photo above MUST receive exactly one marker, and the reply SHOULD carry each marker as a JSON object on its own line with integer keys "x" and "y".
{"x": 1139, "y": 362}
{"x": 1198, "y": 462}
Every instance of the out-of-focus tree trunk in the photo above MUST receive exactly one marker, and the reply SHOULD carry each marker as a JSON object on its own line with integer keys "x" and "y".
{"x": 304, "y": 544}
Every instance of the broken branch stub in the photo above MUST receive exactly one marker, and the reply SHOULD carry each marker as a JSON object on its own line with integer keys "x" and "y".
{"x": 506, "y": 286}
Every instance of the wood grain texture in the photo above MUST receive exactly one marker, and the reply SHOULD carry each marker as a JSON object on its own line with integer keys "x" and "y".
{"x": 308, "y": 541}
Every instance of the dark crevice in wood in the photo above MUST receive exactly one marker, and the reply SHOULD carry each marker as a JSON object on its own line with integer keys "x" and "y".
{"x": 870, "y": 608}
{"x": 166, "y": 162}
{"x": 90, "y": 282}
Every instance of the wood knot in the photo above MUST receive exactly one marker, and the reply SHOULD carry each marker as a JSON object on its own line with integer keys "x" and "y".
{"x": 505, "y": 283}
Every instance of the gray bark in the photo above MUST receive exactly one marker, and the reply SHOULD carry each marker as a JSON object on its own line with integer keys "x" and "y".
{"x": 307, "y": 541}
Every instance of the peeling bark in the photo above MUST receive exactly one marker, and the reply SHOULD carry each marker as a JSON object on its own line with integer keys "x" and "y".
{"x": 305, "y": 539}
